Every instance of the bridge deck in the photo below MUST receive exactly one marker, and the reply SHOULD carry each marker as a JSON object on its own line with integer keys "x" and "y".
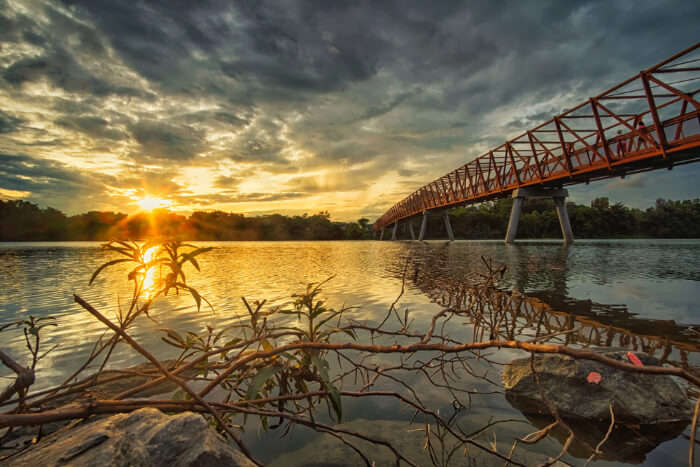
{"x": 600, "y": 138}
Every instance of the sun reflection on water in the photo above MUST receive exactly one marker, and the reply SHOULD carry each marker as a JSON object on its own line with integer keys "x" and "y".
{"x": 149, "y": 280}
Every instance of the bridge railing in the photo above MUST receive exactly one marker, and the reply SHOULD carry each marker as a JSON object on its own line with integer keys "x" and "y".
{"x": 653, "y": 115}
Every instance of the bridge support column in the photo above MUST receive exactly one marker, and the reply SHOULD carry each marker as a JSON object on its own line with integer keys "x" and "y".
{"x": 410, "y": 230}
{"x": 423, "y": 226}
{"x": 563, "y": 215}
{"x": 557, "y": 194}
{"x": 393, "y": 231}
{"x": 448, "y": 226}
{"x": 514, "y": 218}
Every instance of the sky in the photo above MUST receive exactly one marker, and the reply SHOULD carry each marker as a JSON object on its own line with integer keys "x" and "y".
{"x": 303, "y": 106}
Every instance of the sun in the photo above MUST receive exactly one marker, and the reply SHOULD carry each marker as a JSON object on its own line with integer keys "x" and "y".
{"x": 149, "y": 203}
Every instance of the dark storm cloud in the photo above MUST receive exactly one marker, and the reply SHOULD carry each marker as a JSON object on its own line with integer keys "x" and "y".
{"x": 224, "y": 119}
{"x": 318, "y": 47}
{"x": 261, "y": 141}
{"x": 60, "y": 68}
{"x": 153, "y": 37}
{"x": 48, "y": 182}
{"x": 265, "y": 44}
{"x": 93, "y": 126}
{"x": 61, "y": 43}
{"x": 8, "y": 123}
{"x": 161, "y": 140}
{"x": 27, "y": 174}
{"x": 88, "y": 39}
{"x": 356, "y": 89}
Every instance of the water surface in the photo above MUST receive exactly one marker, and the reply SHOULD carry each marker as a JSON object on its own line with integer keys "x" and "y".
{"x": 635, "y": 293}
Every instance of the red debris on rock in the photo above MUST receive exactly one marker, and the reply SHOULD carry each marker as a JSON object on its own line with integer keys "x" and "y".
{"x": 594, "y": 377}
{"x": 634, "y": 359}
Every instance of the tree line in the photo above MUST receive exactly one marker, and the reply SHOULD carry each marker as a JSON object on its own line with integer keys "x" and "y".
{"x": 602, "y": 219}
{"x": 25, "y": 221}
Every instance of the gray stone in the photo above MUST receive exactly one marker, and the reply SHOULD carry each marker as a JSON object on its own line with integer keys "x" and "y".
{"x": 145, "y": 437}
{"x": 637, "y": 398}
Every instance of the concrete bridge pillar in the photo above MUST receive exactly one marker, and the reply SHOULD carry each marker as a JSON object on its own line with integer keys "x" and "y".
{"x": 514, "y": 217}
{"x": 563, "y": 215}
{"x": 393, "y": 231}
{"x": 558, "y": 195}
{"x": 448, "y": 226}
{"x": 410, "y": 230}
{"x": 423, "y": 226}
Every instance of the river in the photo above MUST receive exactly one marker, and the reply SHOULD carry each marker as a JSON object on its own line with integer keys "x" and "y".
{"x": 635, "y": 293}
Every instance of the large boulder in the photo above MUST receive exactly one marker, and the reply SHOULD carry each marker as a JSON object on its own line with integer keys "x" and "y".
{"x": 145, "y": 437}
{"x": 637, "y": 398}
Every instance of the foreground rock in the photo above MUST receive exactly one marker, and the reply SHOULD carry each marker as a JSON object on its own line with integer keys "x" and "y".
{"x": 637, "y": 398}
{"x": 104, "y": 387}
{"x": 146, "y": 437}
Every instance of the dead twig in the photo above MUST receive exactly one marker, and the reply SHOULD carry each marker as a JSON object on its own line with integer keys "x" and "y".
{"x": 136, "y": 346}
{"x": 25, "y": 378}
{"x": 597, "y": 450}
{"x": 691, "y": 449}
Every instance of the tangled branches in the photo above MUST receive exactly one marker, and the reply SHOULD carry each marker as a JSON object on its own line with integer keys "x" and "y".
{"x": 299, "y": 363}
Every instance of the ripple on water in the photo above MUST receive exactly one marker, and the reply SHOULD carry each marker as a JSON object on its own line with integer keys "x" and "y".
{"x": 629, "y": 282}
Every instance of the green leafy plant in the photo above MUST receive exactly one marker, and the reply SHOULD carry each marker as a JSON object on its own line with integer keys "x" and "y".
{"x": 282, "y": 374}
{"x": 159, "y": 268}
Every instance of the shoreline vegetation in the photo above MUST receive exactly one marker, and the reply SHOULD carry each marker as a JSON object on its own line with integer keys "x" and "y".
{"x": 25, "y": 221}
{"x": 298, "y": 364}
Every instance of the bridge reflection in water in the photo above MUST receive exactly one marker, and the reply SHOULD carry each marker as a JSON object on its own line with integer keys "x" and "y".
{"x": 553, "y": 317}
{"x": 549, "y": 315}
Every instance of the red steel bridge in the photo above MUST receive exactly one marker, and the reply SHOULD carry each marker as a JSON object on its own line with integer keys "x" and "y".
{"x": 649, "y": 121}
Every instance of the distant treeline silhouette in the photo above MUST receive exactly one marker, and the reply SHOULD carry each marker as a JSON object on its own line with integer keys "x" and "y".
{"x": 25, "y": 221}
{"x": 602, "y": 219}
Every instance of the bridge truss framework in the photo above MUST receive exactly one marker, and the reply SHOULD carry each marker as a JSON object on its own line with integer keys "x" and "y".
{"x": 598, "y": 139}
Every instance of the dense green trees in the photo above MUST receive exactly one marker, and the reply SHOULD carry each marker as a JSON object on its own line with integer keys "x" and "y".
{"x": 21, "y": 220}
{"x": 603, "y": 219}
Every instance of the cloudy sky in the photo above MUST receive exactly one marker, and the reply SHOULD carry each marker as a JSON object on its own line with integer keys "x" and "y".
{"x": 302, "y": 106}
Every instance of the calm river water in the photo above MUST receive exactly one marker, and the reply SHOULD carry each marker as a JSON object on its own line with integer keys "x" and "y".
{"x": 633, "y": 293}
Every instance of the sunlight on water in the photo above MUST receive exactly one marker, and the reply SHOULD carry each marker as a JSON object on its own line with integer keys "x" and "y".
{"x": 149, "y": 279}
{"x": 630, "y": 291}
